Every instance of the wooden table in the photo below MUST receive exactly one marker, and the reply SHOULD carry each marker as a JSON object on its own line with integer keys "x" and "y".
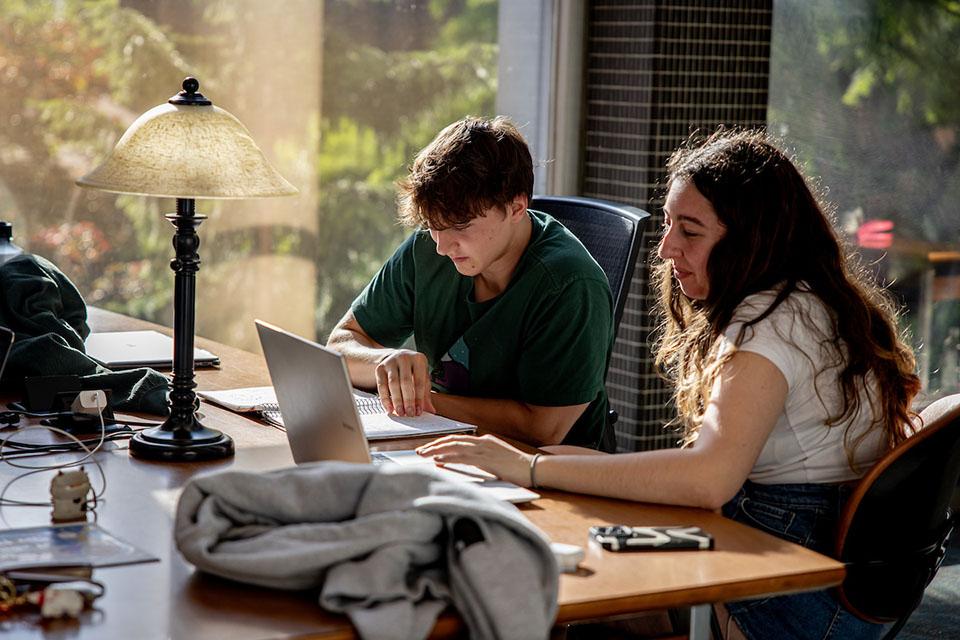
{"x": 169, "y": 599}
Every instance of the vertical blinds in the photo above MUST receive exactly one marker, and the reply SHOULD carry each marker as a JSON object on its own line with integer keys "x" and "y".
{"x": 655, "y": 72}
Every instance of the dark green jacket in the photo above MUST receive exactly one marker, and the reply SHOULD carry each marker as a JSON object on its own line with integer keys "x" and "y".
{"x": 49, "y": 317}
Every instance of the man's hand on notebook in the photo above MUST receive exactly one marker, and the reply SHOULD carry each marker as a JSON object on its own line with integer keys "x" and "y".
{"x": 403, "y": 383}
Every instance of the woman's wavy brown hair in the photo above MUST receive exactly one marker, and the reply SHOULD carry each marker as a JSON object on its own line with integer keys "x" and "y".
{"x": 779, "y": 237}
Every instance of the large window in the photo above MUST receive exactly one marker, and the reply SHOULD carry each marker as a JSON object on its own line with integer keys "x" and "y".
{"x": 338, "y": 94}
{"x": 868, "y": 94}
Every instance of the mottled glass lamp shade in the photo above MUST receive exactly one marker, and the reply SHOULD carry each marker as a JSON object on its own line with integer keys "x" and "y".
{"x": 186, "y": 149}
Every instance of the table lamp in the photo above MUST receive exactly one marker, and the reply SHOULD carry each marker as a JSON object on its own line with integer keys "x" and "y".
{"x": 186, "y": 149}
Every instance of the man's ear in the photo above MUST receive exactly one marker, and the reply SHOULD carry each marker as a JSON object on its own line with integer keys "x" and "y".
{"x": 517, "y": 208}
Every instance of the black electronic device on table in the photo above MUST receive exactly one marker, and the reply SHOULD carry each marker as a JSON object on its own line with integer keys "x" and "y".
{"x": 6, "y": 342}
{"x": 7, "y": 418}
{"x": 623, "y": 538}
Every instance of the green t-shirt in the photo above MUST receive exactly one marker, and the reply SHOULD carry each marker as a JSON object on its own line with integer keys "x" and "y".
{"x": 545, "y": 340}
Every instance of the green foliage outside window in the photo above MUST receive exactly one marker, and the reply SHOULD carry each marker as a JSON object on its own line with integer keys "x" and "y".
{"x": 387, "y": 92}
{"x": 75, "y": 73}
{"x": 868, "y": 93}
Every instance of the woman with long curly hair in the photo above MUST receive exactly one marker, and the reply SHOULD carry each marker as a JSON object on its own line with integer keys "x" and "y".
{"x": 791, "y": 377}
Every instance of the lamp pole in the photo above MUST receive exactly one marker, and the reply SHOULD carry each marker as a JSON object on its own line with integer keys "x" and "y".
{"x": 182, "y": 436}
{"x": 186, "y": 264}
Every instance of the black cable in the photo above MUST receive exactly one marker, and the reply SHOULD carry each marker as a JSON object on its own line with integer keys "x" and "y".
{"x": 57, "y": 448}
{"x": 116, "y": 435}
{"x": 29, "y": 449}
{"x": 19, "y": 409}
{"x": 121, "y": 430}
{"x": 16, "y": 408}
{"x": 136, "y": 423}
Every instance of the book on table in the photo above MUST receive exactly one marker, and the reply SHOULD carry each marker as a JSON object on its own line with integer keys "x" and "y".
{"x": 65, "y": 544}
{"x": 377, "y": 423}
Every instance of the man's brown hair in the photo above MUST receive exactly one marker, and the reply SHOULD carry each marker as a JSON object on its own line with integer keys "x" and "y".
{"x": 472, "y": 165}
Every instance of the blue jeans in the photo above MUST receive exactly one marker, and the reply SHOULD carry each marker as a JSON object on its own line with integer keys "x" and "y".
{"x": 806, "y": 514}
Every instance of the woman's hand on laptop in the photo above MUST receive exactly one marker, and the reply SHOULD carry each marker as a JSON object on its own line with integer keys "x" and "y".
{"x": 487, "y": 452}
{"x": 403, "y": 383}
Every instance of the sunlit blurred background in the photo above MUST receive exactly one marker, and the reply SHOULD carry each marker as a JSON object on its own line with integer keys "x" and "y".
{"x": 340, "y": 94}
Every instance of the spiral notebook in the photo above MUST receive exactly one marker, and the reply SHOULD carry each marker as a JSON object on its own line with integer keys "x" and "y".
{"x": 377, "y": 423}
{"x": 261, "y": 401}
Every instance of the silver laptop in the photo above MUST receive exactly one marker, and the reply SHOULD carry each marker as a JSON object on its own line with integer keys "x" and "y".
{"x": 132, "y": 349}
{"x": 321, "y": 419}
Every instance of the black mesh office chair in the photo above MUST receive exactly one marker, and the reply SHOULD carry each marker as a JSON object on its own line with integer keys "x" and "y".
{"x": 894, "y": 529}
{"x": 611, "y": 233}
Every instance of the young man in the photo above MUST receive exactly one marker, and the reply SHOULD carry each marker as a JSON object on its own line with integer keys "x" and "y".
{"x": 511, "y": 317}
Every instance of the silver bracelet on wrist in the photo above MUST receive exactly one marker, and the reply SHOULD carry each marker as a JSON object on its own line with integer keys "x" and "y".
{"x": 533, "y": 470}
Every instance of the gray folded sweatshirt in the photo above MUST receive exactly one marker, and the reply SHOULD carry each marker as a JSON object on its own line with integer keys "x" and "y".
{"x": 389, "y": 546}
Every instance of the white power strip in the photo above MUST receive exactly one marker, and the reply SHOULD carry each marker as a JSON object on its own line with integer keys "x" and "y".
{"x": 90, "y": 402}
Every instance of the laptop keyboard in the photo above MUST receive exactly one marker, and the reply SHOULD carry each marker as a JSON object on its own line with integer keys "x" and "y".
{"x": 379, "y": 458}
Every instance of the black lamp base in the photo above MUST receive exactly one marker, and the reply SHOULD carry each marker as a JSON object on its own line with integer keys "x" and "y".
{"x": 199, "y": 443}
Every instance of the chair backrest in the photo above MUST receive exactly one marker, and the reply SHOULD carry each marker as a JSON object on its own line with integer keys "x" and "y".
{"x": 610, "y": 232}
{"x": 894, "y": 528}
